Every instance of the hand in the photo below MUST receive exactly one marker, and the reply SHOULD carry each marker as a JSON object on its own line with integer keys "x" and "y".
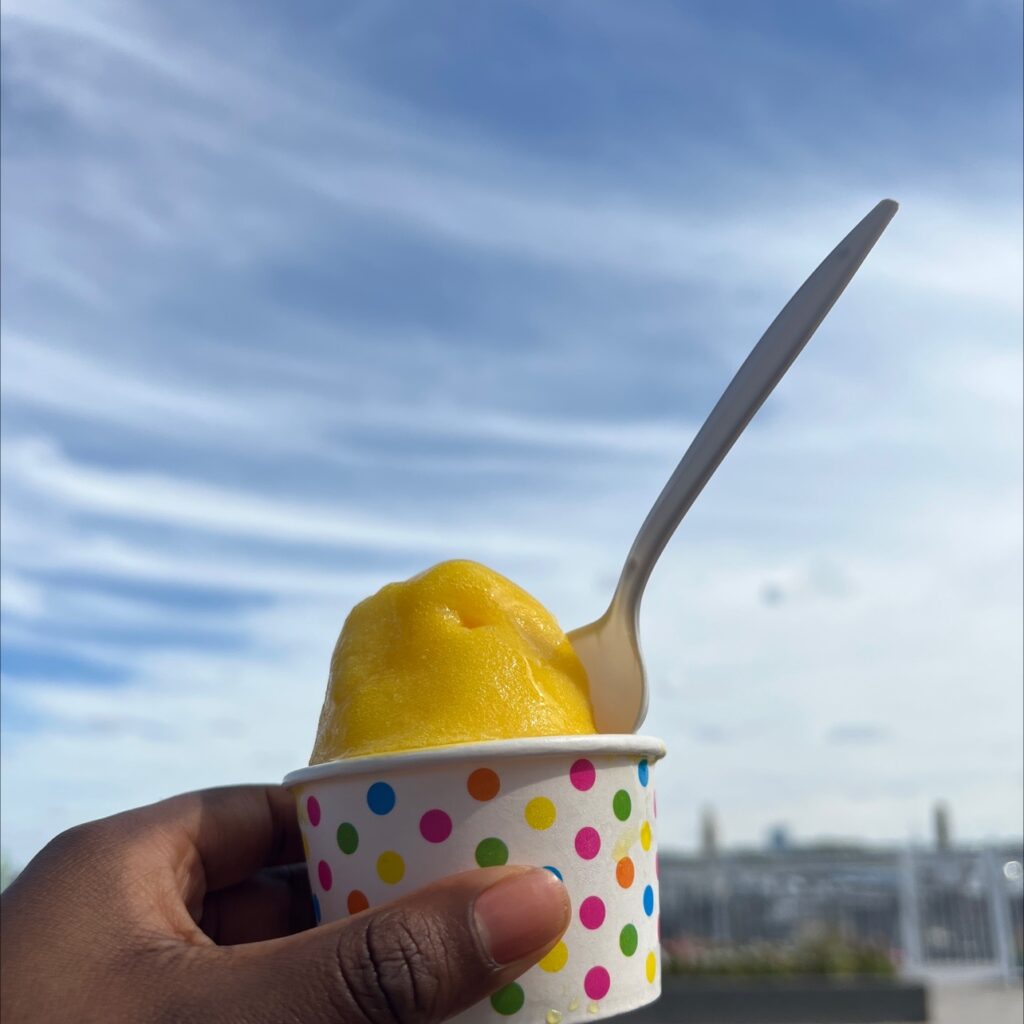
{"x": 196, "y": 909}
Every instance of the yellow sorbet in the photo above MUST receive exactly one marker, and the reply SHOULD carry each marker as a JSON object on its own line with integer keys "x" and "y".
{"x": 458, "y": 654}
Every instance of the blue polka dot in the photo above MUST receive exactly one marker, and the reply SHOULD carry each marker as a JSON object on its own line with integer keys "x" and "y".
{"x": 643, "y": 771}
{"x": 316, "y": 909}
{"x": 554, "y": 871}
{"x": 648, "y": 900}
{"x": 380, "y": 798}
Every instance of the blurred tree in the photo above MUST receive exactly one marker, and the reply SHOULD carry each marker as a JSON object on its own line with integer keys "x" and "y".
{"x": 8, "y": 872}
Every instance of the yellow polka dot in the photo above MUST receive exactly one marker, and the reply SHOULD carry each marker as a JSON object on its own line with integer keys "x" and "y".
{"x": 645, "y": 835}
{"x": 556, "y": 959}
{"x": 540, "y": 813}
{"x": 390, "y": 867}
{"x": 652, "y": 967}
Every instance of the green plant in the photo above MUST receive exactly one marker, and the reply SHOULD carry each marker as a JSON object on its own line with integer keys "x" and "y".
{"x": 8, "y": 872}
{"x": 828, "y": 956}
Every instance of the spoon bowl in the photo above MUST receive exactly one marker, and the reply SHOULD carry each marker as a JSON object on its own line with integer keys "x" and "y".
{"x": 609, "y": 647}
{"x": 610, "y": 651}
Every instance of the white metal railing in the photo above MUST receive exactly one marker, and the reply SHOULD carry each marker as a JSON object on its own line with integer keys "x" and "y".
{"x": 958, "y": 912}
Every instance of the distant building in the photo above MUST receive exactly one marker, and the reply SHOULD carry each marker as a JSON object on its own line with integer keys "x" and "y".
{"x": 943, "y": 827}
{"x": 708, "y": 833}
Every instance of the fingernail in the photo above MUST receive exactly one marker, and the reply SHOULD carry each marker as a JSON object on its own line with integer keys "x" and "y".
{"x": 520, "y": 915}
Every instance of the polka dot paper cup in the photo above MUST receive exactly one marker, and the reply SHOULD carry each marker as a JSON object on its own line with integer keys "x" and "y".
{"x": 375, "y": 828}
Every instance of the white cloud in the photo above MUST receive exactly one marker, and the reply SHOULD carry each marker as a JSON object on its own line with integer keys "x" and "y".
{"x": 451, "y": 185}
{"x": 297, "y": 418}
{"x": 74, "y": 383}
{"x": 161, "y": 500}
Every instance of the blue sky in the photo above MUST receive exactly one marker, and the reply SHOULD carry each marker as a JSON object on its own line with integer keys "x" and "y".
{"x": 299, "y": 300}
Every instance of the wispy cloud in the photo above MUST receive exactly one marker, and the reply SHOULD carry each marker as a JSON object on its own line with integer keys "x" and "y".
{"x": 75, "y": 385}
{"x": 863, "y": 733}
{"x": 160, "y": 500}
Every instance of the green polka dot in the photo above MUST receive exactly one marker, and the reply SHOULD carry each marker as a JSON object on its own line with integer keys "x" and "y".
{"x": 508, "y": 1000}
{"x": 622, "y": 805}
{"x": 492, "y": 853}
{"x": 348, "y": 838}
{"x": 628, "y": 940}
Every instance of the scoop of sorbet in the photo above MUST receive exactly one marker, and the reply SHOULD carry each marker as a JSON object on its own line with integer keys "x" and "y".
{"x": 458, "y": 654}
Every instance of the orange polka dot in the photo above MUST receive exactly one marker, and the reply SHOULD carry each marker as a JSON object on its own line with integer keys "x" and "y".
{"x": 483, "y": 784}
{"x": 625, "y": 872}
{"x": 357, "y": 902}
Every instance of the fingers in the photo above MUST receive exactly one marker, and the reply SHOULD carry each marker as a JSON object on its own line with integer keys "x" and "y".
{"x": 415, "y": 961}
{"x": 272, "y": 903}
{"x": 218, "y": 837}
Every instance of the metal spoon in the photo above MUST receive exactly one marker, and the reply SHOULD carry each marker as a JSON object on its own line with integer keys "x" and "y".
{"x": 609, "y": 648}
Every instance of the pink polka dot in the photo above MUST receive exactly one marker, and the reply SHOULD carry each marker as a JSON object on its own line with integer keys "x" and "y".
{"x": 323, "y": 872}
{"x": 597, "y": 982}
{"x": 582, "y": 774}
{"x": 313, "y": 811}
{"x": 592, "y": 912}
{"x": 435, "y": 826}
{"x": 588, "y": 843}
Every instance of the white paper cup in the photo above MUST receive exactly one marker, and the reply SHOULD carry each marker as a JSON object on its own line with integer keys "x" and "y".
{"x": 375, "y": 828}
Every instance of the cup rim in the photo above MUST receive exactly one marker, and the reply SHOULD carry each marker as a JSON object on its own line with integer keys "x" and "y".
{"x": 533, "y": 746}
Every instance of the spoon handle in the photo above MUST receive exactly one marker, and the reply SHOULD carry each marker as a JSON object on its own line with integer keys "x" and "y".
{"x": 766, "y": 365}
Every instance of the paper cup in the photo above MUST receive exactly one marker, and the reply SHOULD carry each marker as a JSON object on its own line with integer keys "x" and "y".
{"x": 376, "y": 828}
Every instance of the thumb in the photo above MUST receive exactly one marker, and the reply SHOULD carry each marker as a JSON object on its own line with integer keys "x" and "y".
{"x": 417, "y": 960}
